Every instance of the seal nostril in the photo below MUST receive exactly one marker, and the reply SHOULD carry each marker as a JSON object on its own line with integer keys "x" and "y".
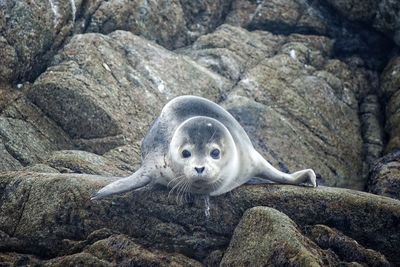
{"x": 199, "y": 169}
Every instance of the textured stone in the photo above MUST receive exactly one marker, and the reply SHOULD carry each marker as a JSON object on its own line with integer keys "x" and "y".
{"x": 107, "y": 86}
{"x": 171, "y": 24}
{"x": 346, "y": 248}
{"x": 30, "y": 33}
{"x": 289, "y": 96}
{"x": 26, "y": 135}
{"x": 46, "y": 214}
{"x": 267, "y": 237}
{"x": 390, "y": 89}
{"x": 77, "y": 161}
{"x": 385, "y": 176}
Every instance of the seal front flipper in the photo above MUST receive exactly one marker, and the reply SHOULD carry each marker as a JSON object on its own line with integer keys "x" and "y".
{"x": 267, "y": 171}
{"x": 135, "y": 181}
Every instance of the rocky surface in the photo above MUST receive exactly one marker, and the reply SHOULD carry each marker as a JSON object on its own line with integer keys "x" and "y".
{"x": 385, "y": 176}
{"x": 55, "y": 217}
{"x": 267, "y": 237}
{"x": 390, "y": 90}
{"x": 314, "y": 84}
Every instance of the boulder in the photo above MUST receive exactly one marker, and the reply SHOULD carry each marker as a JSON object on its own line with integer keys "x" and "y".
{"x": 108, "y": 89}
{"x": 345, "y": 247}
{"x": 293, "y": 100}
{"x": 76, "y": 161}
{"x": 30, "y": 34}
{"x": 171, "y": 24}
{"x": 385, "y": 176}
{"x": 382, "y": 15}
{"x": 27, "y": 136}
{"x": 390, "y": 90}
{"x": 267, "y": 237}
{"x": 49, "y": 215}
{"x": 324, "y": 18}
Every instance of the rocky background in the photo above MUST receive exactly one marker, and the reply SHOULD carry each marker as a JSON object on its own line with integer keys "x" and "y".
{"x": 316, "y": 84}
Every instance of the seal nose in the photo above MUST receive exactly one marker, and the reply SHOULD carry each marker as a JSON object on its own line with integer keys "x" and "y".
{"x": 199, "y": 169}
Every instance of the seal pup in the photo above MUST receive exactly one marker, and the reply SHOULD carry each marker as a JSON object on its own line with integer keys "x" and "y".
{"x": 196, "y": 146}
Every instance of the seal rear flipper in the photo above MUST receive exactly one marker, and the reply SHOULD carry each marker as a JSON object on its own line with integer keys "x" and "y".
{"x": 135, "y": 181}
{"x": 266, "y": 171}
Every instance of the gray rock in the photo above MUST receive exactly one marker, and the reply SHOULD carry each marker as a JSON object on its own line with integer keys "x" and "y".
{"x": 112, "y": 87}
{"x": 171, "y": 24}
{"x": 47, "y": 213}
{"x": 26, "y": 135}
{"x": 346, "y": 248}
{"x": 75, "y": 161}
{"x": 30, "y": 34}
{"x": 279, "y": 16}
{"x": 267, "y": 237}
{"x": 290, "y": 96}
{"x": 390, "y": 80}
{"x": 385, "y": 176}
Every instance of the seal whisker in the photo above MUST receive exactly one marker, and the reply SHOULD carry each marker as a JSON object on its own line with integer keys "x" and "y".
{"x": 176, "y": 186}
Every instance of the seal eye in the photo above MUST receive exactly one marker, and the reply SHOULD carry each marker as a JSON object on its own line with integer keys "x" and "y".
{"x": 215, "y": 153}
{"x": 186, "y": 154}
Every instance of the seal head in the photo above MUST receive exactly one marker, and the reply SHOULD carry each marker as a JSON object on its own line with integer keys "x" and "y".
{"x": 202, "y": 153}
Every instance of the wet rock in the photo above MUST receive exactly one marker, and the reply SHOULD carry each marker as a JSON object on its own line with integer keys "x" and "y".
{"x": 48, "y": 213}
{"x": 390, "y": 81}
{"x": 103, "y": 87}
{"x": 265, "y": 236}
{"x": 346, "y": 248}
{"x": 385, "y": 176}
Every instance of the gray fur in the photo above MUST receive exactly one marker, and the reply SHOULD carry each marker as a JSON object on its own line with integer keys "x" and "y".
{"x": 199, "y": 125}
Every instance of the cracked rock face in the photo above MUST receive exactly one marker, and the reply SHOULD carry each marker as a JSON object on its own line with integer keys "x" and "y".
{"x": 315, "y": 84}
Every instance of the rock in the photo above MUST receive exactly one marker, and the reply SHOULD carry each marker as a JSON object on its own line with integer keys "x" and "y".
{"x": 283, "y": 17}
{"x": 171, "y": 24}
{"x": 267, "y": 237}
{"x": 390, "y": 80}
{"x": 26, "y": 135}
{"x": 385, "y": 176}
{"x": 47, "y": 214}
{"x": 121, "y": 250}
{"x": 76, "y": 161}
{"x": 31, "y": 32}
{"x": 382, "y": 15}
{"x": 103, "y": 87}
{"x": 346, "y": 248}
{"x": 286, "y": 86}
{"x": 316, "y": 18}
{"x": 41, "y": 168}
{"x": 16, "y": 259}
{"x": 79, "y": 259}
{"x": 129, "y": 154}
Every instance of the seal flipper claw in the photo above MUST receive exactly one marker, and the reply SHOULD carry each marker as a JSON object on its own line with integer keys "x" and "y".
{"x": 135, "y": 181}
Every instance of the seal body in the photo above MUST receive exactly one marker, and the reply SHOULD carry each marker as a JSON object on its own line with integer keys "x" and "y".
{"x": 197, "y": 146}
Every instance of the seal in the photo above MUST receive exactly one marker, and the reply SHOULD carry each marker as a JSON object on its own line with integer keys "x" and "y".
{"x": 196, "y": 146}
